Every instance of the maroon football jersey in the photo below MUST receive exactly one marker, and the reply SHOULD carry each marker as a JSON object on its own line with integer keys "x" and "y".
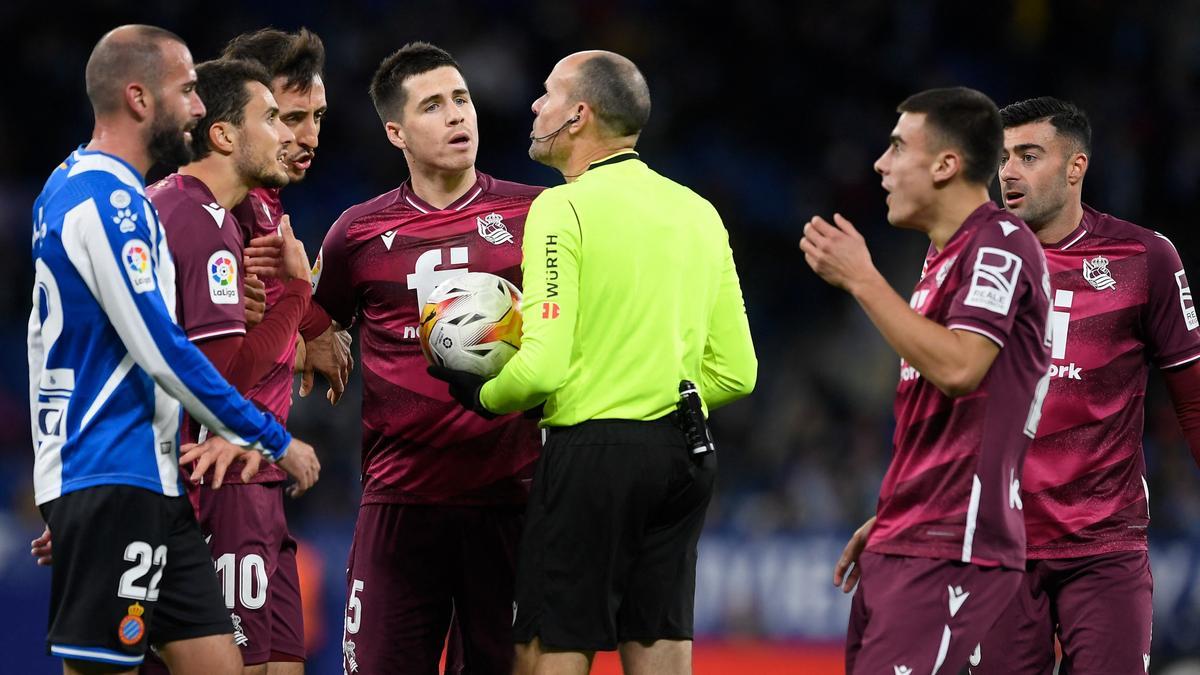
{"x": 378, "y": 264}
{"x": 206, "y": 243}
{"x": 259, "y": 215}
{"x": 1121, "y": 302}
{"x": 953, "y": 488}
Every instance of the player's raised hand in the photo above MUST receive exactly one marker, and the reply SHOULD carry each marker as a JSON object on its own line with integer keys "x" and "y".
{"x": 846, "y": 572}
{"x": 300, "y": 463}
{"x": 836, "y": 252}
{"x": 328, "y": 354}
{"x": 217, "y": 453}
{"x": 256, "y": 300}
{"x": 41, "y": 548}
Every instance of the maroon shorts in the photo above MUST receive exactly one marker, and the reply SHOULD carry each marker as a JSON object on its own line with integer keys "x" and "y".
{"x": 1100, "y": 606}
{"x": 411, "y": 567}
{"x": 255, "y": 558}
{"x": 922, "y": 615}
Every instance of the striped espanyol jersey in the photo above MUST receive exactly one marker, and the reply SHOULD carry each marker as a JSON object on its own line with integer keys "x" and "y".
{"x": 952, "y": 490}
{"x": 108, "y": 366}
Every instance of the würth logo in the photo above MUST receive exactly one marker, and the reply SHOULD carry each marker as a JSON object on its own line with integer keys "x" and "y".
{"x": 550, "y": 310}
{"x": 552, "y": 266}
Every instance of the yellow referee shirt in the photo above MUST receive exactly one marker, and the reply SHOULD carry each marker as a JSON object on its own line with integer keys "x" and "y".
{"x": 629, "y": 287}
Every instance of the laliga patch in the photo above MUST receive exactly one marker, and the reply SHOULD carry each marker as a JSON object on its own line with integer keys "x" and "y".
{"x": 222, "y": 278}
{"x": 119, "y": 199}
{"x": 316, "y": 270}
{"x": 994, "y": 280}
{"x": 135, "y": 255}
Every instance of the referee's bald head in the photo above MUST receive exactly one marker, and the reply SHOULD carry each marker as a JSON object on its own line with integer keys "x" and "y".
{"x": 130, "y": 53}
{"x": 615, "y": 90}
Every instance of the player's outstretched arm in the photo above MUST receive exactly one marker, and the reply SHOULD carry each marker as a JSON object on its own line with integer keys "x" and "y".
{"x": 133, "y": 303}
{"x": 954, "y": 361}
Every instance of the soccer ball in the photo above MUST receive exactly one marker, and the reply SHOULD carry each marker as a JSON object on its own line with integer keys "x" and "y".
{"x": 472, "y": 322}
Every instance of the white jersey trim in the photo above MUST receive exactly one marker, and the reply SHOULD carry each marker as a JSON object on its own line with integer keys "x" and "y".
{"x": 980, "y": 331}
{"x": 110, "y": 385}
{"x": 972, "y": 517}
{"x": 1181, "y": 362}
{"x": 1074, "y": 241}
{"x": 217, "y": 333}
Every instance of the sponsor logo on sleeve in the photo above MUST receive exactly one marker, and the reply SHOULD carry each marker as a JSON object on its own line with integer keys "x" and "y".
{"x": 136, "y": 257}
{"x": 550, "y": 310}
{"x": 1095, "y": 272}
{"x": 222, "y": 278}
{"x": 552, "y": 266}
{"x": 1185, "y": 301}
{"x": 994, "y": 281}
{"x": 493, "y": 230}
{"x": 125, "y": 218}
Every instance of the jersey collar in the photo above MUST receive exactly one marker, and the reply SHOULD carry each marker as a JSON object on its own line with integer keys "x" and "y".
{"x": 482, "y": 182}
{"x": 1077, "y": 235}
{"x": 621, "y": 156}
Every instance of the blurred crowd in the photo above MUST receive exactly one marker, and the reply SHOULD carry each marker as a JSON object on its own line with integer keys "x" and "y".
{"x": 775, "y": 111}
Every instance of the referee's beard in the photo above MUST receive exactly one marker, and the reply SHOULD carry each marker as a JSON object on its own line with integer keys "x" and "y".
{"x": 543, "y": 152}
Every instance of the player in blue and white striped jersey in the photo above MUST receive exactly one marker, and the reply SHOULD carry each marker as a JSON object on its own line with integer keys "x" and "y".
{"x": 108, "y": 370}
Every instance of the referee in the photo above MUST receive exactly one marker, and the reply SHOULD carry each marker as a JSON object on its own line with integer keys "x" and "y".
{"x": 629, "y": 289}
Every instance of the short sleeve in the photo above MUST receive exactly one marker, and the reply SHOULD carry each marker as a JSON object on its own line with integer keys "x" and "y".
{"x": 208, "y": 274}
{"x": 1169, "y": 322}
{"x": 995, "y": 275}
{"x": 332, "y": 286}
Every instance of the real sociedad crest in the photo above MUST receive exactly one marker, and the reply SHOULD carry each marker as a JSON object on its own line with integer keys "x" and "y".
{"x": 493, "y": 229}
{"x": 1095, "y": 272}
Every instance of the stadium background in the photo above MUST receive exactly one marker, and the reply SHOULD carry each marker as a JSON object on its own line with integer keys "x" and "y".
{"x": 774, "y": 111}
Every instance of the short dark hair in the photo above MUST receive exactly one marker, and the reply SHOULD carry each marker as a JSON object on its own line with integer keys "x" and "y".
{"x": 967, "y": 120}
{"x": 221, "y": 84}
{"x": 298, "y": 57}
{"x": 414, "y": 58}
{"x": 1068, "y": 119}
{"x": 118, "y": 59}
{"x": 616, "y": 90}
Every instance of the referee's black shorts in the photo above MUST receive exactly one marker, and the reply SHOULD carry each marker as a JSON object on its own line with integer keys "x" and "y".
{"x": 609, "y": 549}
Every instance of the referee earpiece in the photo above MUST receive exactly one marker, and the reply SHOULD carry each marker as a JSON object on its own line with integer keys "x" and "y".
{"x": 543, "y": 139}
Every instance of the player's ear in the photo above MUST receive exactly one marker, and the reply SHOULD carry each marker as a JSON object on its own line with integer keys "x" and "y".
{"x": 946, "y": 165}
{"x": 137, "y": 97}
{"x": 395, "y": 135}
{"x": 1077, "y": 166}
{"x": 222, "y": 137}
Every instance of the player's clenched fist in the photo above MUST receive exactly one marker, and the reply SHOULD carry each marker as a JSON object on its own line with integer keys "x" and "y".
{"x": 300, "y": 463}
{"x": 837, "y": 253}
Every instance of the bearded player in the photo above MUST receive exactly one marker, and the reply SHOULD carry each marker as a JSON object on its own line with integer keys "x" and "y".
{"x": 443, "y": 489}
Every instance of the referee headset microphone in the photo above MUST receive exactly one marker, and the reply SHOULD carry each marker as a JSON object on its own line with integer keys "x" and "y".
{"x": 543, "y": 139}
